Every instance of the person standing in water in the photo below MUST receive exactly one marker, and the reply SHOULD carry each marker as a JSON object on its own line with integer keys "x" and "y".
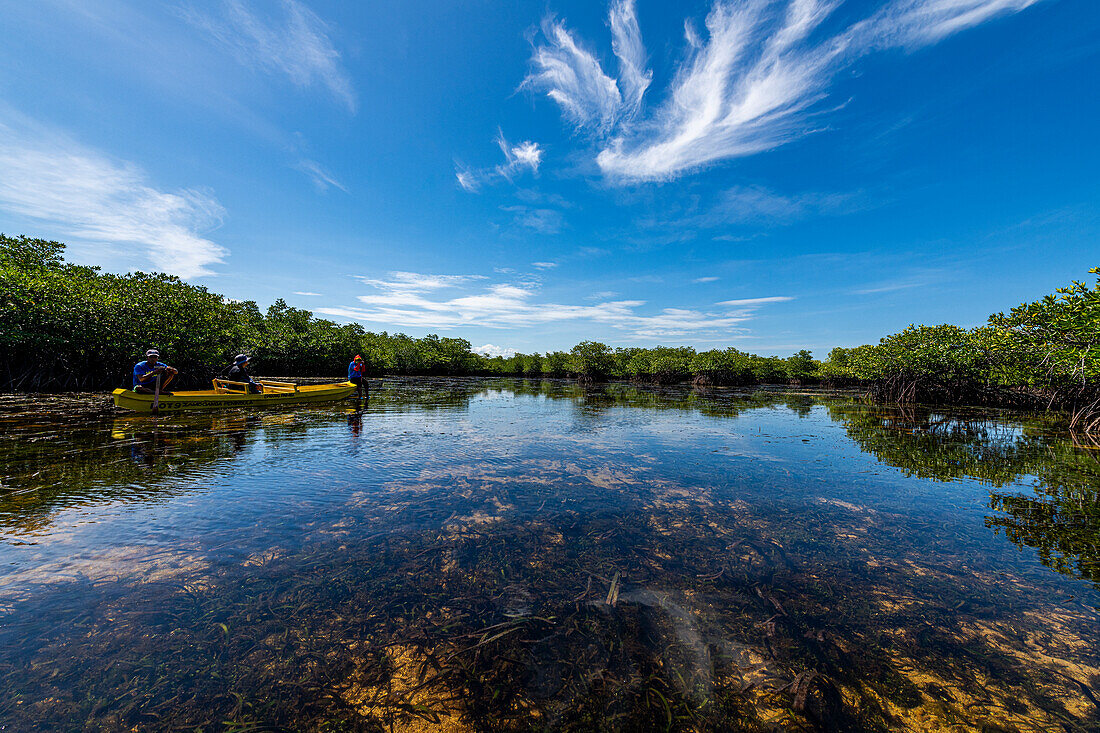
{"x": 357, "y": 375}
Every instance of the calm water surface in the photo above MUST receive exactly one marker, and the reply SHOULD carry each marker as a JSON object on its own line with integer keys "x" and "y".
{"x": 514, "y": 555}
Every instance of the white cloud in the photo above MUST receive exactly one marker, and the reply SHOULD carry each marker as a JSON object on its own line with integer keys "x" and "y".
{"x": 915, "y": 23}
{"x": 742, "y": 204}
{"x": 753, "y": 302}
{"x": 704, "y": 280}
{"x": 467, "y": 179}
{"x": 415, "y": 282}
{"x": 526, "y": 156}
{"x": 107, "y": 204}
{"x": 322, "y": 178}
{"x": 507, "y": 305}
{"x": 921, "y": 278}
{"x": 307, "y": 293}
{"x": 295, "y": 44}
{"x": 517, "y": 157}
{"x": 492, "y": 350}
{"x": 626, "y": 42}
{"x": 573, "y": 77}
{"x": 545, "y": 221}
{"x": 544, "y": 265}
{"x": 753, "y": 82}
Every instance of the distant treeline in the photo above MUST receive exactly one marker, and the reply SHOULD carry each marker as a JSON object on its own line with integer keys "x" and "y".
{"x": 65, "y": 326}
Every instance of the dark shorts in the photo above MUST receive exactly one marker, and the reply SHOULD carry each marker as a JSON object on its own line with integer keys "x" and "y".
{"x": 359, "y": 381}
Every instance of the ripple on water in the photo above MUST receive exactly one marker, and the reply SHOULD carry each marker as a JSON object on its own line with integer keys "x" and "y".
{"x": 509, "y": 554}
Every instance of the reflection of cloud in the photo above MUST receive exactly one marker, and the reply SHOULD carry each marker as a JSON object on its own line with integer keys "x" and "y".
{"x": 750, "y": 83}
{"x": 406, "y": 299}
{"x": 107, "y": 203}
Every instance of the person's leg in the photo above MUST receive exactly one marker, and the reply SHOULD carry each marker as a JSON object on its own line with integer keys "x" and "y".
{"x": 165, "y": 382}
{"x": 141, "y": 388}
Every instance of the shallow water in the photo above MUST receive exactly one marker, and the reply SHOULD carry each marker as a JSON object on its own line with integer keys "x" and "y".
{"x": 524, "y": 555}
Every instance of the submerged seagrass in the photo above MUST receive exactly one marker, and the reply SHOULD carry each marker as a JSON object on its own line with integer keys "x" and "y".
{"x": 534, "y": 555}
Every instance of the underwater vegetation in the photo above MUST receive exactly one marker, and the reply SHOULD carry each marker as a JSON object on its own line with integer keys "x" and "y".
{"x": 472, "y": 554}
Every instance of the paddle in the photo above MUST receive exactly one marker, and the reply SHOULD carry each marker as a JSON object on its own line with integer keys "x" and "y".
{"x": 156, "y": 397}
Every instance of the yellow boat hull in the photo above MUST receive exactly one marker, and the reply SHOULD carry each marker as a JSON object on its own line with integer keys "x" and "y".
{"x": 209, "y": 399}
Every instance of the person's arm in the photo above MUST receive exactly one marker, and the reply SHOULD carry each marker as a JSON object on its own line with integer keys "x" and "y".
{"x": 158, "y": 369}
{"x": 143, "y": 378}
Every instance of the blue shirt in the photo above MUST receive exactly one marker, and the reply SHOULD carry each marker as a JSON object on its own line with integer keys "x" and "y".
{"x": 142, "y": 368}
{"x": 354, "y": 371}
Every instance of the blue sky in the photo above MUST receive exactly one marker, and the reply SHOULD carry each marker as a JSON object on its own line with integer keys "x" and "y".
{"x": 766, "y": 174}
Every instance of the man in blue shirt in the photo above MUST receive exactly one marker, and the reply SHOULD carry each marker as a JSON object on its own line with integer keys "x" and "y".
{"x": 146, "y": 373}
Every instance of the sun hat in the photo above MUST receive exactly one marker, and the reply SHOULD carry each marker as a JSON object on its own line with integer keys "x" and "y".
{"x": 241, "y": 358}
{"x": 152, "y": 353}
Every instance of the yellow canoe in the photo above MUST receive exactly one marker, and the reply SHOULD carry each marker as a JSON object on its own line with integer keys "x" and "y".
{"x": 232, "y": 394}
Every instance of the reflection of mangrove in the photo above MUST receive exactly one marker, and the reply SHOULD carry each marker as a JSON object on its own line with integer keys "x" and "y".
{"x": 594, "y": 399}
{"x": 1061, "y": 519}
{"x": 666, "y": 616}
{"x": 66, "y": 454}
{"x": 422, "y": 395}
{"x": 53, "y": 462}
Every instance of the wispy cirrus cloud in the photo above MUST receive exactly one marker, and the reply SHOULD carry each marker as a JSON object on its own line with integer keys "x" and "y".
{"x": 916, "y": 278}
{"x": 754, "y": 302}
{"x": 294, "y": 42}
{"x": 511, "y": 305}
{"x": 415, "y": 282}
{"x": 572, "y": 77}
{"x": 321, "y": 177}
{"x": 626, "y": 42}
{"x": 705, "y": 279}
{"x": 526, "y": 156}
{"x": 748, "y": 204}
{"x": 756, "y": 79}
{"x": 915, "y": 23}
{"x": 544, "y": 221}
{"x": 107, "y": 204}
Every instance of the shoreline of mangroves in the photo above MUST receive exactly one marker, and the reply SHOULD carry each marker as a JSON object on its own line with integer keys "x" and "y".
{"x": 68, "y": 327}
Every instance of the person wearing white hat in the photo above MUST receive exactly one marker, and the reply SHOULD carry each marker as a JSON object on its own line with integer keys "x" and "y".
{"x": 146, "y": 373}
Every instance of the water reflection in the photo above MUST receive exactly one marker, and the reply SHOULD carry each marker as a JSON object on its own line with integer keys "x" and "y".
{"x": 515, "y": 555}
{"x": 1045, "y": 486}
